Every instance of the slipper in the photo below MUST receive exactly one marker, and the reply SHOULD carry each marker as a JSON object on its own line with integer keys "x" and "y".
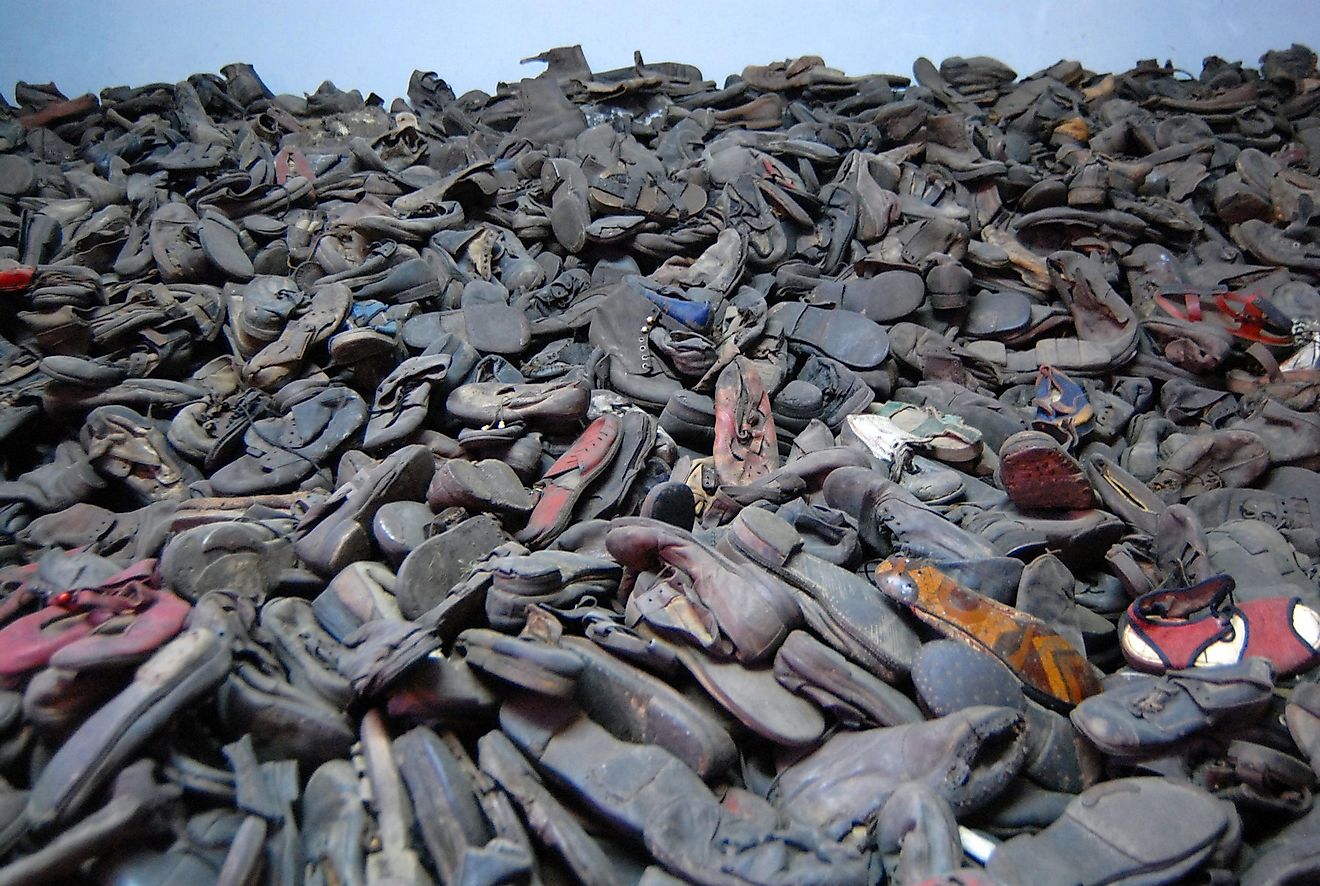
{"x": 127, "y": 638}
{"x": 29, "y": 641}
{"x": 996, "y": 420}
{"x": 746, "y": 446}
{"x": 1063, "y": 403}
{"x": 1247, "y": 315}
{"x": 17, "y": 278}
{"x": 942, "y": 437}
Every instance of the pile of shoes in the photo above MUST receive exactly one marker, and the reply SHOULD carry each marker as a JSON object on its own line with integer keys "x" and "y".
{"x": 621, "y": 478}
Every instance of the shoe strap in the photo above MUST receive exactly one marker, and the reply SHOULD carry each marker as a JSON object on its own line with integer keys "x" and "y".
{"x": 1250, "y": 311}
{"x": 1253, "y": 314}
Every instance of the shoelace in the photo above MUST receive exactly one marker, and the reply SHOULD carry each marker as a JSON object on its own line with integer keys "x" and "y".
{"x": 1154, "y": 701}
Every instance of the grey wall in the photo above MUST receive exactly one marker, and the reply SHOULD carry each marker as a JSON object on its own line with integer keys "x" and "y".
{"x": 373, "y": 45}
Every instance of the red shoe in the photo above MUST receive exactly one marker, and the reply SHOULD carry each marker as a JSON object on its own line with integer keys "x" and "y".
{"x": 16, "y": 279}
{"x": 291, "y": 161}
{"x": 745, "y": 440}
{"x": 558, "y": 491}
{"x": 120, "y": 621}
{"x": 27, "y": 643}
{"x": 126, "y": 637}
{"x": 1162, "y": 631}
{"x": 1247, "y": 315}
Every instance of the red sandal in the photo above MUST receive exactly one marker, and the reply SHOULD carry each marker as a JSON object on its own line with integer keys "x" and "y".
{"x": 1200, "y": 625}
{"x": 1242, "y": 314}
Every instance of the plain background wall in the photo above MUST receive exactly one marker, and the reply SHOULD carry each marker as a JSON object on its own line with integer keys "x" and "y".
{"x": 373, "y": 45}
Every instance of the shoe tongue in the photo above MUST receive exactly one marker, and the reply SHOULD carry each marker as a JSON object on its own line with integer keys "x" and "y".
{"x": 1182, "y": 602}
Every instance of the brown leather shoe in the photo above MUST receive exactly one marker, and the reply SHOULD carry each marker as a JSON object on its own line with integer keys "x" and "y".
{"x": 702, "y": 595}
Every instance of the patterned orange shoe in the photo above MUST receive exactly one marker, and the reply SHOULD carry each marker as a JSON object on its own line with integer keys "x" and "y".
{"x": 1051, "y": 670}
